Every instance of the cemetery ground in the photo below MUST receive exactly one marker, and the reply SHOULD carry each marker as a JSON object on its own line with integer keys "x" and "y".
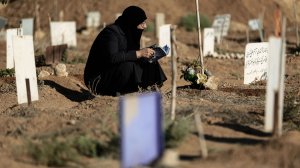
{"x": 69, "y": 127}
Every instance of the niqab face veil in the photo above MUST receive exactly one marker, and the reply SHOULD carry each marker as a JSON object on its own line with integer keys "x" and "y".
{"x": 128, "y": 21}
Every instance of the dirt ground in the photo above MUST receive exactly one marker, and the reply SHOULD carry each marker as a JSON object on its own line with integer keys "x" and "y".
{"x": 232, "y": 115}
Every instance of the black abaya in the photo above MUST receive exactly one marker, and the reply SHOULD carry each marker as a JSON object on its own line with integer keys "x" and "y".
{"x": 112, "y": 66}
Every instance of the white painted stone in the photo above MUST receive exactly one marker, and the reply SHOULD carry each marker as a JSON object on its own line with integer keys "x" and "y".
{"x": 170, "y": 158}
{"x": 61, "y": 70}
{"x": 43, "y": 74}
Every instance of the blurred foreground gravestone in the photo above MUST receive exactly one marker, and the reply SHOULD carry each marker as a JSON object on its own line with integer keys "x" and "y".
{"x": 63, "y": 33}
{"x": 141, "y": 129}
{"x": 165, "y": 37}
{"x": 256, "y": 62}
{"x": 54, "y": 54}
{"x": 27, "y": 25}
{"x": 208, "y": 42}
{"x": 221, "y": 26}
{"x": 23, "y": 52}
{"x": 275, "y": 86}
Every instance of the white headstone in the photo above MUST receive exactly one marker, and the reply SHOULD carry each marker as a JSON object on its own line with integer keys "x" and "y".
{"x": 254, "y": 24}
{"x": 10, "y": 33}
{"x": 208, "y": 42}
{"x": 63, "y": 33}
{"x": 93, "y": 19}
{"x": 27, "y": 25}
{"x": 165, "y": 36}
{"x": 275, "y": 82}
{"x": 256, "y": 62}
{"x": 159, "y": 21}
{"x": 221, "y": 25}
{"x": 25, "y": 67}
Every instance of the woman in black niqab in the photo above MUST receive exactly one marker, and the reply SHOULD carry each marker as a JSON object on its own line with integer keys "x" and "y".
{"x": 114, "y": 66}
{"x": 128, "y": 21}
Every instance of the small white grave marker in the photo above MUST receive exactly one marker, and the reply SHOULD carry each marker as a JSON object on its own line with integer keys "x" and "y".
{"x": 63, "y": 33}
{"x": 256, "y": 62}
{"x": 25, "y": 68}
{"x": 254, "y": 24}
{"x": 141, "y": 129}
{"x": 159, "y": 21}
{"x": 275, "y": 84}
{"x": 10, "y": 33}
{"x": 221, "y": 25}
{"x": 165, "y": 36}
{"x": 93, "y": 19}
{"x": 27, "y": 25}
{"x": 208, "y": 42}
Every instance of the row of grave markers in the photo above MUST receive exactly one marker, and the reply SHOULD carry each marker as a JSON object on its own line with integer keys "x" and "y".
{"x": 140, "y": 147}
{"x": 138, "y": 113}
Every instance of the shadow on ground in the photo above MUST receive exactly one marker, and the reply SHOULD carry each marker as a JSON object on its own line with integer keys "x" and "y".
{"x": 70, "y": 94}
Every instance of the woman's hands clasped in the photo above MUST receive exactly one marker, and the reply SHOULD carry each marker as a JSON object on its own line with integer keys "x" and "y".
{"x": 145, "y": 52}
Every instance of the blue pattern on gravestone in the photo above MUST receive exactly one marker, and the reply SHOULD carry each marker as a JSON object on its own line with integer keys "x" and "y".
{"x": 141, "y": 129}
{"x": 3, "y": 22}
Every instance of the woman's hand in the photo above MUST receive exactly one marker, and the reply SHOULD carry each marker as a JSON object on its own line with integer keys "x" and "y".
{"x": 145, "y": 52}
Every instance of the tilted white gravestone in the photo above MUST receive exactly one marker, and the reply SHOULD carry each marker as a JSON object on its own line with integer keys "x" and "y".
{"x": 275, "y": 84}
{"x": 221, "y": 25}
{"x": 63, "y": 33}
{"x": 208, "y": 42}
{"x": 165, "y": 36}
{"x": 256, "y": 62}
{"x": 23, "y": 51}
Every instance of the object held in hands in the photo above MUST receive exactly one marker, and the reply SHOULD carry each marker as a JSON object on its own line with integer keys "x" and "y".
{"x": 159, "y": 52}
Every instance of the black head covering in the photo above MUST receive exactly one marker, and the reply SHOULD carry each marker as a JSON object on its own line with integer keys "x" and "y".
{"x": 131, "y": 17}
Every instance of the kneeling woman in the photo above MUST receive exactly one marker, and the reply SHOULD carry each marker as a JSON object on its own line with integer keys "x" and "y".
{"x": 116, "y": 63}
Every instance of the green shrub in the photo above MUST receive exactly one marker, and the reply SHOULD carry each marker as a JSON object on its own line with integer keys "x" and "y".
{"x": 77, "y": 60}
{"x": 51, "y": 152}
{"x": 189, "y": 22}
{"x": 291, "y": 111}
{"x": 150, "y": 27}
{"x": 87, "y": 147}
{"x": 7, "y": 72}
{"x": 175, "y": 132}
